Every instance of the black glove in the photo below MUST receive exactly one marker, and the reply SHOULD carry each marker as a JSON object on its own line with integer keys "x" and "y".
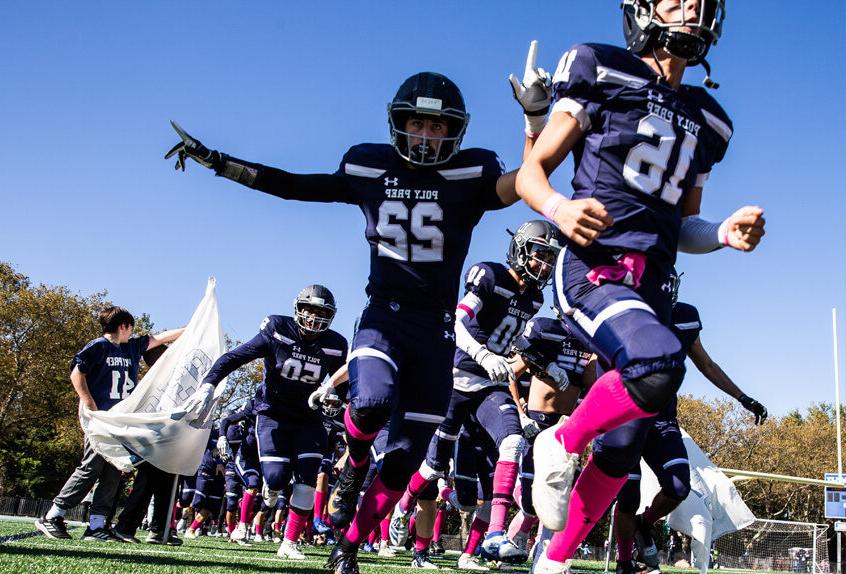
{"x": 193, "y": 148}
{"x": 756, "y": 408}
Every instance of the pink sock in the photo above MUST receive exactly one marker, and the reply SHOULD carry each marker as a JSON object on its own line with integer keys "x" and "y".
{"x": 375, "y": 505}
{"x": 505, "y": 476}
{"x": 384, "y": 528}
{"x": 439, "y": 524}
{"x": 276, "y": 526}
{"x": 592, "y": 494}
{"x": 606, "y": 406}
{"x": 258, "y": 528}
{"x": 445, "y": 492}
{"x": 195, "y": 525}
{"x": 230, "y": 526}
{"x": 522, "y": 523}
{"x": 297, "y": 519}
{"x": 650, "y": 516}
{"x": 416, "y": 485}
{"x": 477, "y": 531}
{"x": 247, "y": 506}
{"x": 372, "y": 538}
{"x": 412, "y": 524}
{"x": 319, "y": 502}
{"x": 421, "y": 543}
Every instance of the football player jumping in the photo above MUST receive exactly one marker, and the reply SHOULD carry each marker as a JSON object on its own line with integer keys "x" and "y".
{"x": 643, "y": 146}
{"x": 421, "y": 197}
{"x": 298, "y": 352}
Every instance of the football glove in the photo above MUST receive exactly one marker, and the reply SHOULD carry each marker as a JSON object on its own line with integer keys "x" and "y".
{"x": 223, "y": 449}
{"x": 315, "y": 399}
{"x": 756, "y": 408}
{"x": 533, "y": 92}
{"x": 497, "y": 366}
{"x": 200, "y": 402}
{"x": 530, "y": 427}
{"x": 193, "y": 148}
{"x": 558, "y": 376}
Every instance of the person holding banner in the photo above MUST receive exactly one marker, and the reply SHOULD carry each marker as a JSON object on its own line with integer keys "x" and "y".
{"x": 103, "y": 373}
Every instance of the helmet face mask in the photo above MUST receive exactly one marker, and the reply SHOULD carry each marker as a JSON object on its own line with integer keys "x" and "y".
{"x": 532, "y": 251}
{"x": 644, "y": 30}
{"x": 429, "y": 96}
{"x": 332, "y": 405}
{"x": 314, "y": 309}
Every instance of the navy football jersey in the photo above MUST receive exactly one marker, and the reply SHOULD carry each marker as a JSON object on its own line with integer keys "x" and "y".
{"x": 293, "y": 366}
{"x": 546, "y": 340}
{"x": 646, "y": 144}
{"x": 235, "y": 432}
{"x": 686, "y": 324}
{"x": 111, "y": 371}
{"x": 211, "y": 458}
{"x": 497, "y": 310}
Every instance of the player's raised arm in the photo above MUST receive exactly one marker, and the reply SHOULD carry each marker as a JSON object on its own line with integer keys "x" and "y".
{"x": 742, "y": 230}
{"x": 277, "y": 182}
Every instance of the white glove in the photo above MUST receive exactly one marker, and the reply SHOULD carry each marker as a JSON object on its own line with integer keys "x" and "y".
{"x": 497, "y": 366}
{"x": 316, "y": 398}
{"x": 533, "y": 93}
{"x": 530, "y": 427}
{"x": 558, "y": 375}
{"x": 201, "y": 401}
{"x": 223, "y": 448}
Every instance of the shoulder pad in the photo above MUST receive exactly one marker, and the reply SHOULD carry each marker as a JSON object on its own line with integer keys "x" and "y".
{"x": 481, "y": 278}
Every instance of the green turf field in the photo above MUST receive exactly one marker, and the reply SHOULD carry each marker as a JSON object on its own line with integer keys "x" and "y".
{"x": 28, "y": 553}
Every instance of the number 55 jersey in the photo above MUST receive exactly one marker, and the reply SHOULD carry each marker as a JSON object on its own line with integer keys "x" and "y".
{"x": 646, "y": 144}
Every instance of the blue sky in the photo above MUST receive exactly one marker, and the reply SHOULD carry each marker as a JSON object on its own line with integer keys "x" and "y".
{"x": 88, "y": 201}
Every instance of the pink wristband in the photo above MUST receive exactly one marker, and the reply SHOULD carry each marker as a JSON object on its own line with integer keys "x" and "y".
{"x": 723, "y": 233}
{"x": 550, "y": 206}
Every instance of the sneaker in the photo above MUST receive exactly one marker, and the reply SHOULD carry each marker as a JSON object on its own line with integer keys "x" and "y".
{"x": 240, "y": 533}
{"x": 385, "y": 551}
{"x": 546, "y": 566}
{"x": 259, "y": 538}
{"x": 319, "y": 526}
{"x": 173, "y": 539}
{"x": 437, "y": 547}
{"x": 190, "y": 534}
{"x": 647, "y": 551}
{"x": 468, "y": 562}
{"x": 99, "y": 535}
{"x": 126, "y": 537}
{"x": 288, "y": 551}
{"x": 421, "y": 560}
{"x": 398, "y": 530}
{"x": 53, "y": 527}
{"x": 344, "y": 497}
{"x": 554, "y": 470}
{"x": 343, "y": 561}
{"x": 627, "y": 567}
{"x": 497, "y": 546}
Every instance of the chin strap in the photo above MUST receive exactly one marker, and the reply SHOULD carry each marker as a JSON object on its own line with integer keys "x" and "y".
{"x": 709, "y": 83}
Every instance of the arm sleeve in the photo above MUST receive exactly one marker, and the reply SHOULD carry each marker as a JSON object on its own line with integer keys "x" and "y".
{"x": 574, "y": 86}
{"x": 237, "y": 357}
{"x": 235, "y": 418}
{"x": 699, "y": 236}
{"x": 479, "y": 285}
{"x": 325, "y": 188}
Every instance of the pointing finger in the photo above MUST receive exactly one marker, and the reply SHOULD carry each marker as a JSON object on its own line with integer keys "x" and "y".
{"x": 531, "y": 59}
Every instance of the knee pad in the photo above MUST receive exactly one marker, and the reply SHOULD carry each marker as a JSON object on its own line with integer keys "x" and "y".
{"x": 653, "y": 391}
{"x": 302, "y": 497}
{"x": 483, "y": 513}
{"x": 370, "y": 419}
{"x": 675, "y": 482}
{"x": 628, "y": 499}
{"x": 511, "y": 448}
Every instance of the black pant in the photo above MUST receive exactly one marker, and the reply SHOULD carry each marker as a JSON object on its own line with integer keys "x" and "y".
{"x": 149, "y": 481}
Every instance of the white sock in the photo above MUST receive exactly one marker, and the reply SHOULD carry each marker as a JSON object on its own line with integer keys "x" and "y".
{"x": 55, "y": 512}
{"x": 97, "y": 521}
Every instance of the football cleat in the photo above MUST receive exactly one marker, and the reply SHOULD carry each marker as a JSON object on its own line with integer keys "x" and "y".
{"x": 344, "y": 497}
{"x": 53, "y": 527}
{"x": 343, "y": 561}
{"x": 546, "y": 566}
{"x": 469, "y": 562}
{"x": 385, "y": 551}
{"x": 259, "y": 538}
{"x": 190, "y": 534}
{"x": 288, "y": 550}
{"x": 554, "y": 471}
{"x": 398, "y": 530}
{"x": 240, "y": 533}
{"x": 420, "y": 559}
{"x": 437, "y": 547}
{"x": 319, "y": 526}
{"x": 647, "y": 551}
{"x": 497, "y": 546}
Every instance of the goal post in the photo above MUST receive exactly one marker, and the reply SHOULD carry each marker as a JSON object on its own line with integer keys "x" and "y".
{"x": 775, "y": 546}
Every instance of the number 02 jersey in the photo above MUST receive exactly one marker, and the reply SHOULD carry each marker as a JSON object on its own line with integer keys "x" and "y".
{"x": 646, "y": 144}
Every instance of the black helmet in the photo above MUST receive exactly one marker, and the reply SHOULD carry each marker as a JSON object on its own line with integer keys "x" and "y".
{"x": 644, "y": 32}
{"x": 309, "y": 299}
{"x": 428, "y": 94}
{"x": 532, "y": 240}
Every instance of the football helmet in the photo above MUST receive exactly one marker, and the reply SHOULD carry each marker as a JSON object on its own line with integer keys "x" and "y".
{"x": 536, "y": 240}
{"x": 643, "y": 31}
{"x": 428, "y": 94}
{"x": 314, "y": 309}
{"x": 332, "y": 405}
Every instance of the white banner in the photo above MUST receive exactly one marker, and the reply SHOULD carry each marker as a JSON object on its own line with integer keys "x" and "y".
{"x": 149, "y": 425}
{"x": 713, "y": 507}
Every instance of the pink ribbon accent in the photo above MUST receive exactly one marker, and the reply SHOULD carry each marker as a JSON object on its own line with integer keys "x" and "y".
{"x": 627, "y": 270}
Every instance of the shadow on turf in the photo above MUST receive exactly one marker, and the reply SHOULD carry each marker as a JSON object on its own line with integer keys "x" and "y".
{"x": 175, "y": 559}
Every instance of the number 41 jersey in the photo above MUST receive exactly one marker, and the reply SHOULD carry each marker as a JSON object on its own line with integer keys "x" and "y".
{"x": 498, "y": 313}
{"x": 645, "y": 146}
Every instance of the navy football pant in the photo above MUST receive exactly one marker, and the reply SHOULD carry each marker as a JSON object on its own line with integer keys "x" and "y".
{"x": 474, "y": 463}
{"x": 247, "y": 462}
{"x": 289, "y": 449}
{"x": 209, "y": 492}
{"x": 189, "y": 487}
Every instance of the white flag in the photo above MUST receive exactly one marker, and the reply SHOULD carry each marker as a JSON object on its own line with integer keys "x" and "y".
{"x": 149, "y": 425}
{"x": 713, "y": 507}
